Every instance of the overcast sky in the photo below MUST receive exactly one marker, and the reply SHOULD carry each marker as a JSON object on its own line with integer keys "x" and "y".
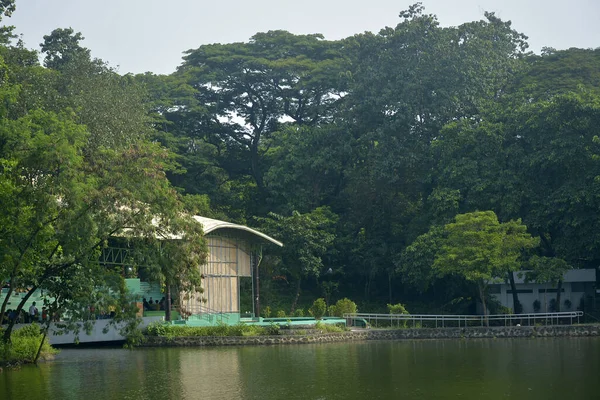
{"x": 150, "y": 35}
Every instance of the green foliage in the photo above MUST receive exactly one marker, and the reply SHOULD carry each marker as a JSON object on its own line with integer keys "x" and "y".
{"x": 273, "y": 329}
{"x": 343, "y": 306}
{"x": 318, "y": 309}
{"x": 549, "y": 270}
{"x": 280, "y": 314}
{"x": 62, "y": 47}
{"x": 479, "y": 248}
{"x": 299, "y": 312}
{"x": 415, "y": 263}
{"x": 266, "y": 312}
{"x": 24, "y": 346}
{"x": 307, "y": 237}
{"x": 78, "y": 168}
{"x": 357, "y": 154}
{"x": 241, "y": 329}
{"x": 397, "y": 309}
{"x": 329, "y": 328}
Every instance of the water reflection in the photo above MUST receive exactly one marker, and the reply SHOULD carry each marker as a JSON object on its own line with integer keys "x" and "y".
{"x": 466, "y": 369}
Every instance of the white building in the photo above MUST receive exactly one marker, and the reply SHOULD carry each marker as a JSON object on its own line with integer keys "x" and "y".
{"x": 577, "y": 285}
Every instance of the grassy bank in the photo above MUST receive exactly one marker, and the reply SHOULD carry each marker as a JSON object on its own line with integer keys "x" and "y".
{"x": 167, "y": 330}
{"x": 24, "y": 346}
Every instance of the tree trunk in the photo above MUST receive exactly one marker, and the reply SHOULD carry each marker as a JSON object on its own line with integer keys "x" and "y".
{"x": 256, "y": 278}
{"x": 168, "y": 302}
{"x": 255, "y": 167}
{"x": 390, "y": 288}
{"x": 558, "y": 290}
{"x": 517, "y": 307}
{"x": 298, "y": 283}
{"x": 6, "y": 299}
{"x": 11, "y": 323}
{"x": 37, "y": 356}
{"x": 482, "y": 297}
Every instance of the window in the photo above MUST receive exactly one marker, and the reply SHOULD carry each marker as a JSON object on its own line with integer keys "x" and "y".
{"x": 551, "y": 290}
{"x": 520, "y": 291}
{"x": 578, "y": 287}
{"x": 494, "y": 289}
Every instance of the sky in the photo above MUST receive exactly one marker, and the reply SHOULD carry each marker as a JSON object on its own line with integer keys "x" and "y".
{"x": 151, "y": 35}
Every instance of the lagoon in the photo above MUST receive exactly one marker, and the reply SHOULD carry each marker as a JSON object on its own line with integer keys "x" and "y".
{"x": 549, "y": 368}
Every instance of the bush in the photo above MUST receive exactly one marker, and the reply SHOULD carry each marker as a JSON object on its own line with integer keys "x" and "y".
{"x": 170, "y": 331}
{"x": 266, "y": 312}
{"x": 24, "y": 346}
{"x": 281, "y": 314}
{"x": 273, "y": 329}
{"x": 552, "y": 305}
{"x": 343, "y": 306}
{"x": 157, "y": 329}
{"x": 397, "y": 309}
{"x": 318, "y": 308}
{"x": 299, "y": 313}
{"x": 537, "y": 306}
{"x": 328, "y": 327}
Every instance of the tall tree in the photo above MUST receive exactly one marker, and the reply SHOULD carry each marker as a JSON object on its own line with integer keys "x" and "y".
{"x": 62, "y": 47}
{"x": 251, "y": 88}
{"x": 307, "y": 237}
{"x": 480, "y": 249}
{"x": 64, "y": 194}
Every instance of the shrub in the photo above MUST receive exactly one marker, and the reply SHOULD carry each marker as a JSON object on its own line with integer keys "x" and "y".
{"x": 157, "y": 329}
{"x": 299, "y": 313}
{"x": 399, "y": 309}
{"x": 328, "y": 327}
{"x": 343, "y": 306}
{"x": 518, "y": 307}
{"x": 24, "y": 346}
{"x": 266, "y": 312}
{"x": 281, "y": 314}
{"x": 318, "y": 308}
{"x": 552, "y": 305}
{"x": 568, "y": 304}
{"x": 273, "y": 329}
{"x": 170, "y": 331}
{"x": 537, "y": 306}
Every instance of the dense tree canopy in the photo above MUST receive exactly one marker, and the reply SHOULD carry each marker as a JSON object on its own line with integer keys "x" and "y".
{"x": 77, "y": 168}
{"x": 364, "y": 156}
{"x": 397, "y": 132}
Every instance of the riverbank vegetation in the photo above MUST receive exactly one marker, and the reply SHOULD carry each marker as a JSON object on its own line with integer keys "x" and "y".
{"x": 28, "y": 345}
{"x": 374, "y": 158}
{"x": 241, "y": 329}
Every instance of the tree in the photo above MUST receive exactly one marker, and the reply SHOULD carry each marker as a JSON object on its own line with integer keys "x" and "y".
{"x": 549, "y": 270}
{"x": 7, "y": 7}
{"x": 557, "y": 72}
{"x": 249, "y": 88}
{"x": 307, "y": 238}
{"x": 408, "y": 82}
{"x": 64, "y": 195}
{"x": 308, "y": 166}
{"x": 481, "y": 249}
{"x": 62, "y": 48}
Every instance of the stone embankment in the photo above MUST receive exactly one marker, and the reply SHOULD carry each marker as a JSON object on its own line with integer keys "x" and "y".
{"x": 380, "y": 334}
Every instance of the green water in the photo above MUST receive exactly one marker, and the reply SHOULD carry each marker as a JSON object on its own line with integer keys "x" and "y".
{"x": 465, "y": 369}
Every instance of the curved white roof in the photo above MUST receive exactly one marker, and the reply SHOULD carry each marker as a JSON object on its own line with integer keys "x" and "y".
{"x": 210, "y": 225}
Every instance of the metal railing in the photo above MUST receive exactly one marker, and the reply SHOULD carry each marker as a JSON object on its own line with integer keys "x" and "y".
{"x": 441, "y": 321}
{"x": 206, "y": 313}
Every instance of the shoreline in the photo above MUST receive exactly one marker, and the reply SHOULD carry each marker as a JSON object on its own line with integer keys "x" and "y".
{"x": 590, "y": 330}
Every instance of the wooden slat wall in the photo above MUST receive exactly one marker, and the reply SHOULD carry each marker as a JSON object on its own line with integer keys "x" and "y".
{"x": 228, "y": 259}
